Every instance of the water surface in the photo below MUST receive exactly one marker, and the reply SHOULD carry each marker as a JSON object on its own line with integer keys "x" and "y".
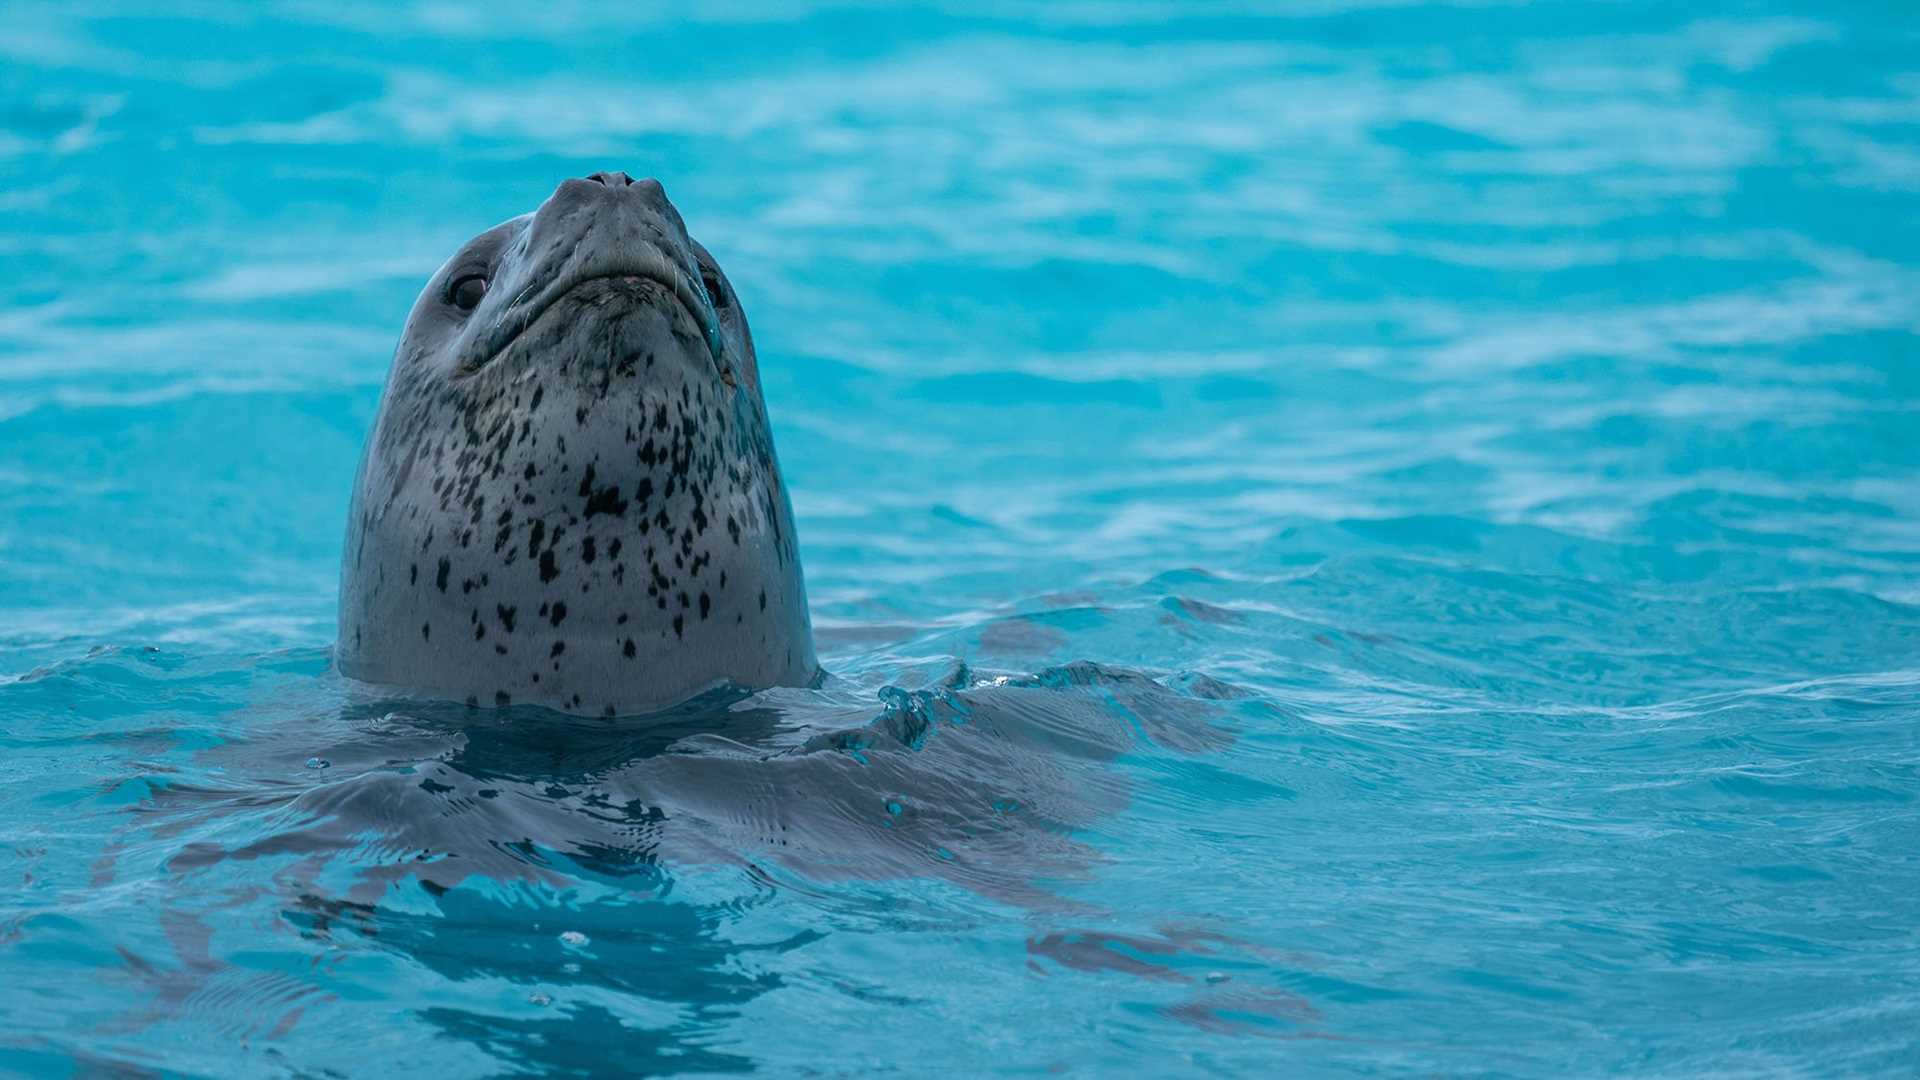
{"x": 1349, "y": 538}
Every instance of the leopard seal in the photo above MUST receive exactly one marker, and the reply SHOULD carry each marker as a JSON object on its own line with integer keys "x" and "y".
{"x": 569, "y": 497}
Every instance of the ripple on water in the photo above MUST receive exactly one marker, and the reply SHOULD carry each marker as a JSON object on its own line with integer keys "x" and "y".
{"x": 1356, "y": 538}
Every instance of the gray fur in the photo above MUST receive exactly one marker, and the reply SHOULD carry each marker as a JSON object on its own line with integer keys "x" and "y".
{"x": 570, "y": 496}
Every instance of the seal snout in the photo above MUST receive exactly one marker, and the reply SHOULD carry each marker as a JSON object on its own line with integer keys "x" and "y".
{"x": 617, "y": 189}
{"x": 606, "y": 225}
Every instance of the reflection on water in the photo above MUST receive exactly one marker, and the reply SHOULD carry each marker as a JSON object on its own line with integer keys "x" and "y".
{"x": 549, "y": 856}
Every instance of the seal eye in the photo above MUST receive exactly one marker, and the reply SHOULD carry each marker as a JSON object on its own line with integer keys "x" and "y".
{"x": 715, "y": 291}
{"x": 466, "y": 292}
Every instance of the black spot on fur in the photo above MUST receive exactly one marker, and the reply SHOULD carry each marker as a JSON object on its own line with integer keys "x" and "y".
{"x": 559, "y": 614}
{"x": 506, "y": 615}
{"x": 548, "y": 571}
{"x": 628, "y": 649}
{"x": 605, "y": 500}
{"x": 440, "y": 579}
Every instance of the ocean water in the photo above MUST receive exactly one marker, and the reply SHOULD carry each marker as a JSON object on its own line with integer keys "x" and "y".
{"x": 1348, "y": 538}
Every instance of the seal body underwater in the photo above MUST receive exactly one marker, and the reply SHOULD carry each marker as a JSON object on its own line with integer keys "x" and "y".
{"x": 570, "y": 496}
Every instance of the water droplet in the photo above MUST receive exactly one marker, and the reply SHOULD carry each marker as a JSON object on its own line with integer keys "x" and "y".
{"x": 570, "y": 968}
{"x": 573, "y": 939}
{"x": 1216, "y": 977}
{"x": 894, "y": 807}
{"x": 539, "y": 998}
{"x": 318, "y": 763}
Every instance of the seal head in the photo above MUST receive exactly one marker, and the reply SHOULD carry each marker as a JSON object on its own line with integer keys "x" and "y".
{"x": 570, "y": 496}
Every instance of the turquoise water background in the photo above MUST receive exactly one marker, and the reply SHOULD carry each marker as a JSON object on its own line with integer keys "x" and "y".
{"x": 1352, "y": 537}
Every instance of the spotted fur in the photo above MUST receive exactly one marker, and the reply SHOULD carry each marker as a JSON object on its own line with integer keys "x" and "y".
{"x": 570, "y": 496}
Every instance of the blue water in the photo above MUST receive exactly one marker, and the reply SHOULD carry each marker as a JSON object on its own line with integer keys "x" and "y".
{"x": 1361, "y": 538}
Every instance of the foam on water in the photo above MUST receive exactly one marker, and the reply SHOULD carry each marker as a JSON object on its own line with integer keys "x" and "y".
{"x": 1374, "y": 537}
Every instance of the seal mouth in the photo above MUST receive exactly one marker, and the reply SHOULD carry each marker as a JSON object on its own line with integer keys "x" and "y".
{"x": 534, "y": 301}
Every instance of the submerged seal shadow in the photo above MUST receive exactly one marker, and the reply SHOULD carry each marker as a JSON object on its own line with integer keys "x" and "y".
{"x": 570, "y": 496}
{"x": 493, "y": 846}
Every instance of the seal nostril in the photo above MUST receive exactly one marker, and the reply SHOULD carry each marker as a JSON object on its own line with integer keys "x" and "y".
{"x": 611, "y": 179}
